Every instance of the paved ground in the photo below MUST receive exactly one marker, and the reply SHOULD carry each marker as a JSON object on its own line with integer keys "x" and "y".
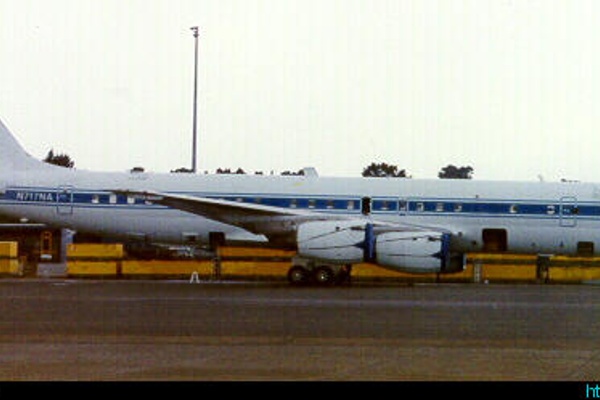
{"x": 173, "y": 330}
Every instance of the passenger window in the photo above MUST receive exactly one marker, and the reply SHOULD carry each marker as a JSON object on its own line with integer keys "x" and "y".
{"x": 439, "y": 207}
{"x": 458, "y": 207}
{"x": 420, "y": 207}
{"x": 403, "y": 205}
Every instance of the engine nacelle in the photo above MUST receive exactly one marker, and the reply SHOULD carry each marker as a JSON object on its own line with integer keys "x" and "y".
{"x": 354, "y": 241}
{"x": 336, "y": 242}
{"x": 415, "y": 252}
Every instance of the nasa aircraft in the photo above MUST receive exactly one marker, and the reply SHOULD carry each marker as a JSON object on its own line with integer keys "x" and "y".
{"x": 417, "y": 226}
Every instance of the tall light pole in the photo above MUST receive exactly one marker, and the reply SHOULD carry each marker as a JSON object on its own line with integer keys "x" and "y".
{"x": 194, "y": 125}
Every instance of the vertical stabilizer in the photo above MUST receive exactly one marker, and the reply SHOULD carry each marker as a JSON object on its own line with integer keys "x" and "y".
{"x": 12, "y": 154}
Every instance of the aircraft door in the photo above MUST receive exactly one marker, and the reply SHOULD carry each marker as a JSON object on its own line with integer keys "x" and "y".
{"x": 568, "y": 211}
{"x": 365, "y": 205}
{"x": 64, "y": 200}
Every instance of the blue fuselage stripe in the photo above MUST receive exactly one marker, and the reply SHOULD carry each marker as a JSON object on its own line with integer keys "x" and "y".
{"x": 81, "y": 198}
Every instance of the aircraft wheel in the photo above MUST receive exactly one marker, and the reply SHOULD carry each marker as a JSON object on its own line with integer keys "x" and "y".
{"x": 324, "y": 276}
{"x": 298, "y": 275}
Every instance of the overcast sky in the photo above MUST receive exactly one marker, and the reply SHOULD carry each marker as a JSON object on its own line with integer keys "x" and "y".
{"x": 511, "y": 88}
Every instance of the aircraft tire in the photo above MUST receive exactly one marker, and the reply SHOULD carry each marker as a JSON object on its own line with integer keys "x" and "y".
{"x": 324, "y": 276}
{"x": 298, "y": 275}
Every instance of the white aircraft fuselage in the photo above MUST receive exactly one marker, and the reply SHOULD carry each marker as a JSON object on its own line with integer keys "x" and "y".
{"x": 526, "y": 217}
{"x": 538, "y": 217}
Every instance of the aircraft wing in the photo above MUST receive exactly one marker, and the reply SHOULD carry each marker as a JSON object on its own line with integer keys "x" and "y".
{"x": 277, "y": 224}
{"x": 274, "y": 222}
{"x": 336, "y": 238}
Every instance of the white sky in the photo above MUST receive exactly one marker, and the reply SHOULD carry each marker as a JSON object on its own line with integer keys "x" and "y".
{"x": 511, "y": 88}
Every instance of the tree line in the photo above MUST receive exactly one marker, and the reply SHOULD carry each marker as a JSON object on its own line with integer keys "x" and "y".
{"x": 373, "y": 170}
{"x": 384, "y": 170}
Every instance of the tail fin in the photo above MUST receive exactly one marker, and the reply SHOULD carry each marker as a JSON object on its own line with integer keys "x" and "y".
{"x": 12, "y": 154}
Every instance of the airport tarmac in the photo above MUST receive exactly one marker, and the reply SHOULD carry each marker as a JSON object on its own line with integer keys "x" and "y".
{"x": 95, "y": 330}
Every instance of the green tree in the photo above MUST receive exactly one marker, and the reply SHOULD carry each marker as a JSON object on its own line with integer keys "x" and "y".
{"x": 227, "y": 171}
{"x": 452, "y": 172}
{"x": 384, "y": 170}
{"x": 62, "y": 160}
{"x": 290, "y": 173}
{"x": 182, "y": 170}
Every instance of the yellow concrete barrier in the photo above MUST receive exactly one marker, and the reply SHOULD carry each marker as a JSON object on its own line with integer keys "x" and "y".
{"x": 135, "y": 268}
{"x": 373, "y": 271}
{"x": 92, "y": 268}
{"x": 573, "y": 274}
{"x": 273, "y": 269}
{"x": 106, "y": 260}
{"x": 9, "y": 259}
{"x": 574, "y": 261}
{"x": 9, "y": 249}
{"x": 490, "y": 267}
{"x": 95, "y": 251}
{"x": 92, "y": 259}
{"x": 253, "y": 262}
{"x": 508, "y": 273}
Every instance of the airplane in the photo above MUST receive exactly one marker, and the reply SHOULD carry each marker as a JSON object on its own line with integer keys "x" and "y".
{"x": 411, "y": 225}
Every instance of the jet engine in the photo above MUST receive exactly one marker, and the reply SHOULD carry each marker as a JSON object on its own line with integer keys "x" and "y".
{"x": 354, "y": 241}
{"x": 337, "y": 242}
{"x": 417, "y": 252}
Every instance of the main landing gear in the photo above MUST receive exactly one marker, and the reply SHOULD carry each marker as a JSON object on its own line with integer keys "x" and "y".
{"x": 306, "y": 272}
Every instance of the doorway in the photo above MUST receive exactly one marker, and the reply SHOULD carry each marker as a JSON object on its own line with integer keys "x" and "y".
{"x": 366, "y": 206}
